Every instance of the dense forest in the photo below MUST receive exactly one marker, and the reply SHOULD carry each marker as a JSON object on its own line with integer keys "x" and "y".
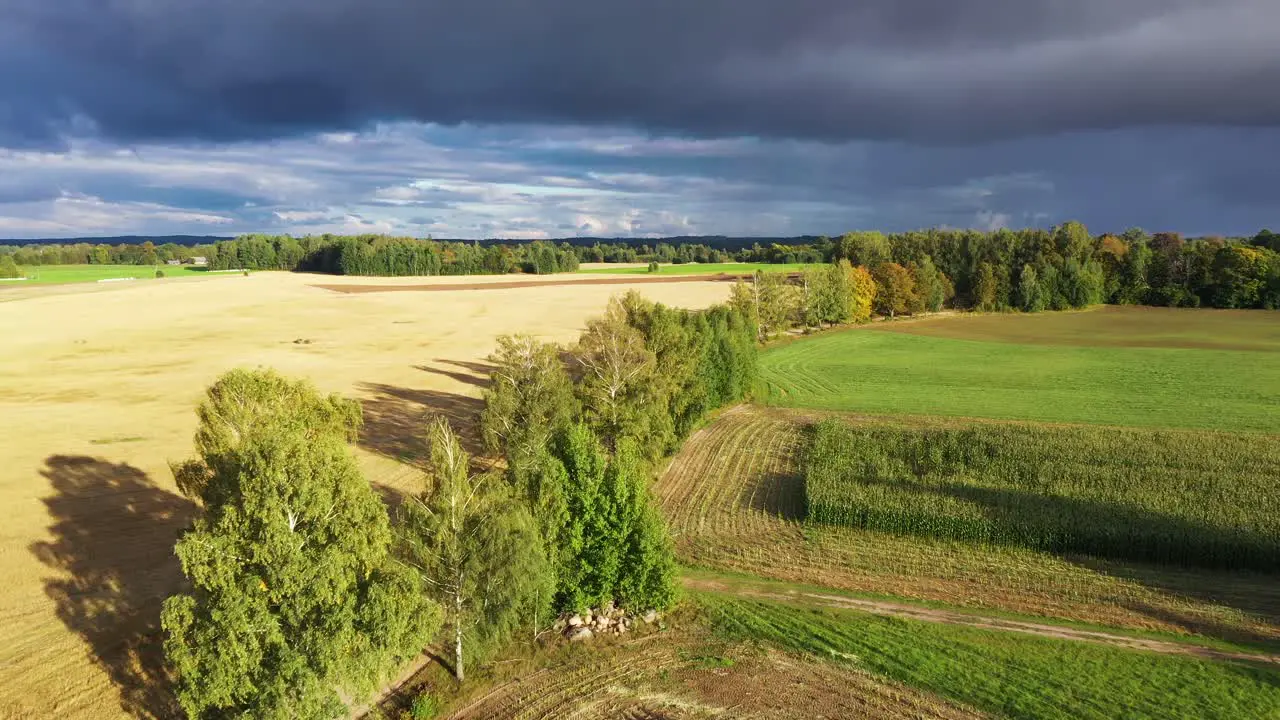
{"x": 1030, "y": 269}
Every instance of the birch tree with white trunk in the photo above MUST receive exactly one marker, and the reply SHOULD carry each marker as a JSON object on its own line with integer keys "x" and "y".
{"x": 477, "y": 549}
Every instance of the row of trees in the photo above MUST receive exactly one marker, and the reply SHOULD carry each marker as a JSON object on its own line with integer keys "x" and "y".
{"x": 580, "y": 433}
{"x": 1039, "y": 269}
{"x": 388, "y": 256}
{"x": 679, "y": 253}
{"x": 1031, "y": 269}
{"x": 303, "y": 592}
{"x": 144, "y": 253}
{"x": 347, "y": 255}
{"x": 839, "y": 293}
{"x": 1066, "y": 267}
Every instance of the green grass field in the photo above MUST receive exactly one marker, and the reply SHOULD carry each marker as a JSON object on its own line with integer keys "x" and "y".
{"x": 908, "y": 372}
{"x": 699, "y": 269}
{"x": 48, "y": 274}
{"x": 1176, "y": 497}
{"x": 1008, "y": 674}
{"x": 1111, "y": 326}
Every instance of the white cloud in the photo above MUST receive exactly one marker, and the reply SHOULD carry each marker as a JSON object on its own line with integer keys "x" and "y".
{"x": 302, "y": 216}
{"x": 524, "y": 182}
{"x": 79, "y": 214}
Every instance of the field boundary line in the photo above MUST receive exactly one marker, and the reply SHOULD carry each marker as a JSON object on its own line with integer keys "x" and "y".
{"x": 513, "y": 285}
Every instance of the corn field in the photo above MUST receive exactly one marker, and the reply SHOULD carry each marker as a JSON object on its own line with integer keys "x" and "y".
{"x": 1175, "y": 497}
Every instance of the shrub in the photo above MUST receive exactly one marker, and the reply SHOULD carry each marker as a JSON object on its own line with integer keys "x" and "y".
{"x": 8, "y": 268}
{"x": 425, "y": 707}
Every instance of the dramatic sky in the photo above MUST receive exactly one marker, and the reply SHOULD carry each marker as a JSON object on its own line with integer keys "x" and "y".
{"x": 535, "y": 118}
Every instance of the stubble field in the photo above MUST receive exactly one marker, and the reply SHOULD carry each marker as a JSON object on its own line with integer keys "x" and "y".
{"x": 98, "y": 387}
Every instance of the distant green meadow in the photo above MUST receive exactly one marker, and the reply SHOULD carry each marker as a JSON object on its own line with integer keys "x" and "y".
{"x": 901, "y": 373}
{"x": 699, "y": 269}
{"x": 49, "y": 274}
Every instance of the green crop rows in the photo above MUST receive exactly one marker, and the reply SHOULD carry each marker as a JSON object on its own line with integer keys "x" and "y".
{"x": 1206, "y": 499}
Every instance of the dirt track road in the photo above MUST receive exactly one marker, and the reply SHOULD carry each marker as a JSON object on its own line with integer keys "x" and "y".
{"x": 935, "y": 615}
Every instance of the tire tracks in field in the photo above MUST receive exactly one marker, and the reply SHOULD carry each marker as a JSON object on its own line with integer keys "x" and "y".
{"x": 726, "y": 502}
{"x": 945, "y": 617}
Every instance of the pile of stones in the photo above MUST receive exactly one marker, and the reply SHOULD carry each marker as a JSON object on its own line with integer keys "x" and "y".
{"x": 608, "y": 620}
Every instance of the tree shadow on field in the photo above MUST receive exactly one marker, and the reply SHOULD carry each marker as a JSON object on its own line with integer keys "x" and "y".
{"x": 1229, "y": 567}
{"x": 113, "y": 536}
{"x": 776, "y": 492}
{"x": 1254, "y": 594}
{"x": 395, "y": 421}
{"x": 484, "y": 367}
{"x": 477, "y": 374}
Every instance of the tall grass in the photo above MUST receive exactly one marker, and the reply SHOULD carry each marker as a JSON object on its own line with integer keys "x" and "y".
{"x": 1007, "y": 674}
{"x": 1185, "y": 498}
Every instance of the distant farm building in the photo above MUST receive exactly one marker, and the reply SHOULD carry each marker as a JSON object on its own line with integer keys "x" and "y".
{"x": 172, "y": 262}
{"x": 199, "y": 260}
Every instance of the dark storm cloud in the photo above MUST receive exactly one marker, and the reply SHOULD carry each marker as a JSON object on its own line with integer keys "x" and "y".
{"x": 921, "y": 70}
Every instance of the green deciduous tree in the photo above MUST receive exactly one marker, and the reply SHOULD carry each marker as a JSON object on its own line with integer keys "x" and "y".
{"x": 1030, "y": 296}
{"x": 1081, "y": 283}
{"x": 933, "y": 288}
{"x": 614, "y": 546}
{"x": 293, "y": 595}
{"x": 895, "y": 289}
{"x": 819, "y": 299}
{"x": 1073, "y": 241}
{"x": 1131, "y": 285}
{"x": 1239, "y": 277}
{"x": 478, "y": 550}
{"x": 986, "y": 289}
{"x": 8, "y": 268}
{"x": 769, "y": 300}
{"x": 707, "y": 359}
{"x": 529, "y": 398}
{"x": 869, "y": 249}
{"x": 616, "y": 369}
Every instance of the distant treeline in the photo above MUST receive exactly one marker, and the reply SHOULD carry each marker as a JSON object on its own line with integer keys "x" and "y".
{"x": 388, "y": 256}
{"x": 1034, "y": 269}
{"x": 1030, "y": 269}
{"x": 341, "y": 255}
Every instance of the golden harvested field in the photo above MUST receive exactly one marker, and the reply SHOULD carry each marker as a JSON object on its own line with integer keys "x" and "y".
{"x": 97, "y": 391}
{"x": 733, "y": 497}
